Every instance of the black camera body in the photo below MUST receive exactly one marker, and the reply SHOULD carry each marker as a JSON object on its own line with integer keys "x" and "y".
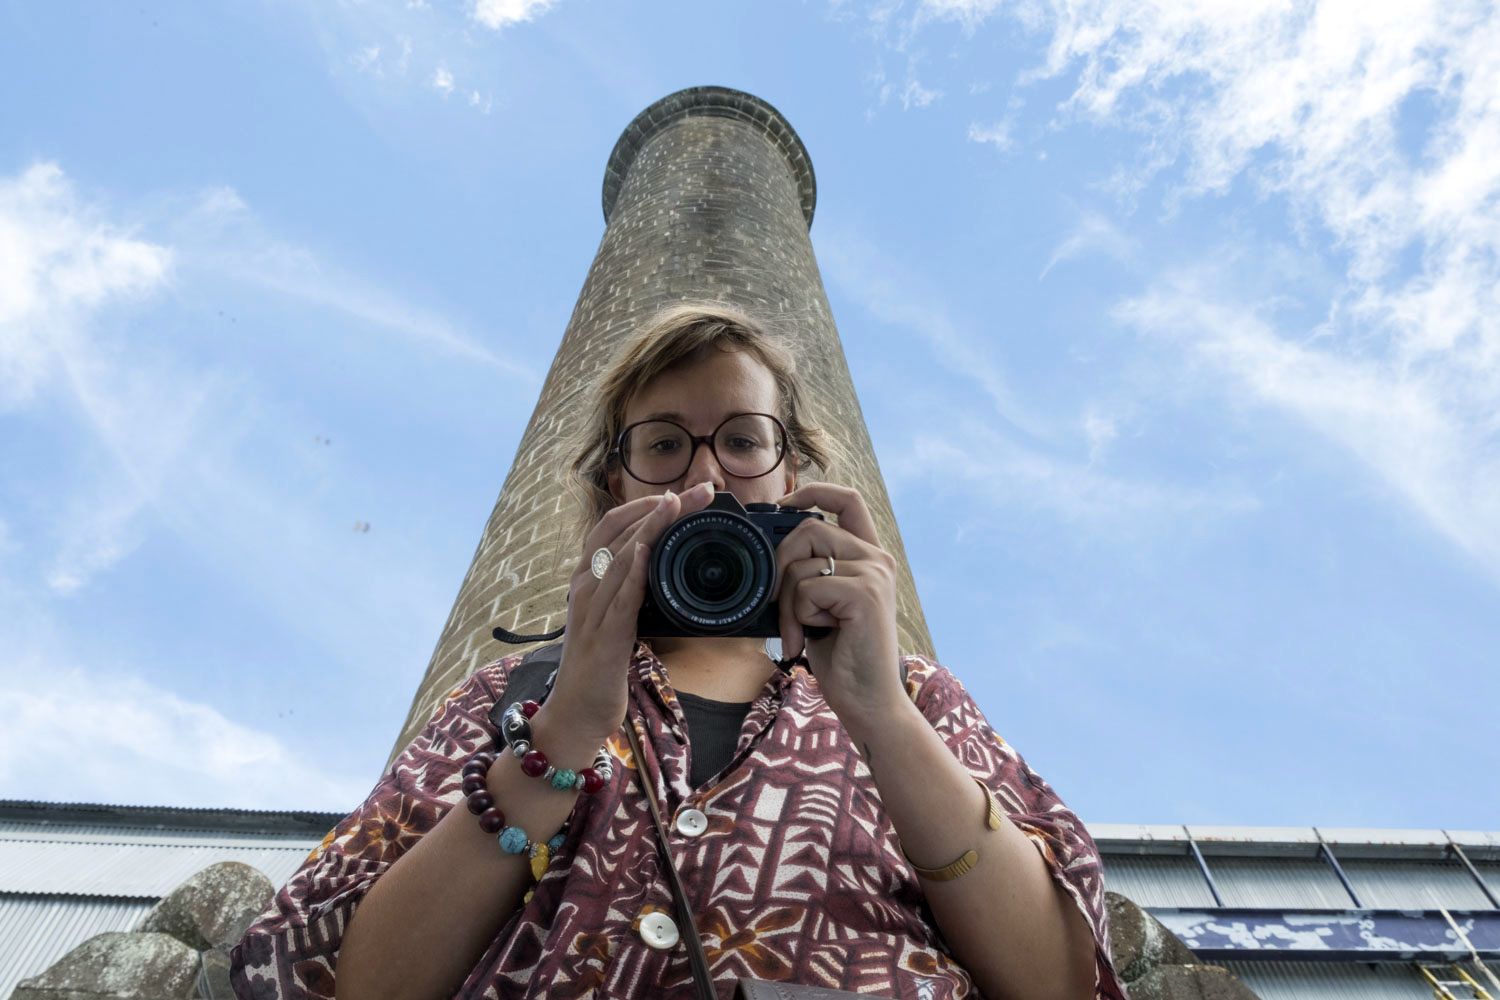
{"x": 712, "y": 572}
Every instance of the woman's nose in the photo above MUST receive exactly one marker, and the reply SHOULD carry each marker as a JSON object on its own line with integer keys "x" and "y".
{"x": 703, "y": 468}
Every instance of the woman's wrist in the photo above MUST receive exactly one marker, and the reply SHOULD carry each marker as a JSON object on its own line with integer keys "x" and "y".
{"x": 559, "y": 729}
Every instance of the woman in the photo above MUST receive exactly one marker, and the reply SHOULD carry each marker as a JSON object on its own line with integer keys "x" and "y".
{"x": 822, "y": 810}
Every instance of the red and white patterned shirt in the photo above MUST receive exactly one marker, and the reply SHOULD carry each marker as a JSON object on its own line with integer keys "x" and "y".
{"x": 798, "y": 875}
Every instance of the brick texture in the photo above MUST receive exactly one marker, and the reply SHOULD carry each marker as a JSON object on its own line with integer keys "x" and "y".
{"x": 708, "y": 194}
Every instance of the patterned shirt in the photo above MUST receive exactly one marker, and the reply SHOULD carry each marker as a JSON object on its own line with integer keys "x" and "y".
{"x": 797, "y": 876}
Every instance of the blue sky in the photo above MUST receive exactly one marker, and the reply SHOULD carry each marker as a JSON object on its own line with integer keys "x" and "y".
{"x": 1175, "y": 329}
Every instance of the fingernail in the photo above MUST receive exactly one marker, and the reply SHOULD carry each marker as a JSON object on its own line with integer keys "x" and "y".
{"x": 705, "y": 489}
{"x": 665, "y": 499}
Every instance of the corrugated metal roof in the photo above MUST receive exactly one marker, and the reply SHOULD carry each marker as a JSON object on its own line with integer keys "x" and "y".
{"x": 113, "y": 870}
{"x": 1156, "y": 881}
{"x": 1415, "y": 884}
{"x": 1278, "y": 882}
{"x": 1279, "y": 980}
{"x": 85, "y": 833}
{"x": 38, "y": 930}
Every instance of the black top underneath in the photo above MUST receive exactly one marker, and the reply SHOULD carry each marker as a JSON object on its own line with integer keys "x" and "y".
{"x": 713, "y": 731}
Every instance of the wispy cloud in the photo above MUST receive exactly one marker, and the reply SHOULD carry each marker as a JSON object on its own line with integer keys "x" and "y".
{"x": 1406, "y": 425}
{"x": 148, "y": 744}
{"x": 1378, "y": 130}
{"x": 1032, "y": 461}
{"x": 218, "y": 233}
{"x": 66, "y": 261}
{"x": 59, "y": 260}
{"x": 995, "y": 134}
{"x": 395, "y": 48}
{"x": 497, "y": 14}
{"x": 1094, "y": 233}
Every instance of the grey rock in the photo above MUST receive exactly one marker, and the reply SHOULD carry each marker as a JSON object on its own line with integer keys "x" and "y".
{"x": 118, "y": 966}
{"x": 1190, "y": 982}
{"x": 213, "y": 979}
{"x": 213, "y": 908}
{"x": 1139, "y": 942}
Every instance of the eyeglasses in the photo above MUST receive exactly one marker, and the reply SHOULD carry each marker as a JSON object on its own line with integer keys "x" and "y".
{"x": 746, "y": 445}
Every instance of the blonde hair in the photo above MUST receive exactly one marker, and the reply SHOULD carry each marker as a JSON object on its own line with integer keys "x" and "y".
{"x": 675, "y": 337}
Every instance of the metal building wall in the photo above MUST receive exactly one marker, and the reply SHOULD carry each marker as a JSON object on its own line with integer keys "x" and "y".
{"x": 1330, "y": 981}
{"x": 1156, "y": 880}
{"x": 1415, "y": 884}
{"x": 1279, "y": 882}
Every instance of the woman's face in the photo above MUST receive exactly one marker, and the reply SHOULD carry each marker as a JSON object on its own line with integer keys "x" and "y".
{"x": 700, "y": 397}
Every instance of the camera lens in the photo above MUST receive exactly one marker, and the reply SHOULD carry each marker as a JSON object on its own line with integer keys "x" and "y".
{"x": 713, "y": 573}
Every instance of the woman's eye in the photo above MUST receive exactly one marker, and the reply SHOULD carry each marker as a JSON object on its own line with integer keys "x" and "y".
{"x": 670, "y": 444}
{"x": 746, "y": 443}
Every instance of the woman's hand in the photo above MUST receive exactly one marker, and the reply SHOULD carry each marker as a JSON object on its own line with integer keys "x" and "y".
{"x": 592, "y": 683}
{"x": 857, "y": 665}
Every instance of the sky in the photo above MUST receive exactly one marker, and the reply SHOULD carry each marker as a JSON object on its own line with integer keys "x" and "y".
{"x": 1175, "y": 326}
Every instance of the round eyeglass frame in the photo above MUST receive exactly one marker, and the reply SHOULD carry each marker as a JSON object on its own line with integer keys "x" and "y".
{"x": 618, "y": 451}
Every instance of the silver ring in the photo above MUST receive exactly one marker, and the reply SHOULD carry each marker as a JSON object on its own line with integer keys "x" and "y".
{"x": 829, "y": 570}
{"x": 599, "y": 565}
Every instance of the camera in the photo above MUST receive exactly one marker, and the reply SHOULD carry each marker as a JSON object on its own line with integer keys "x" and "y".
{"x": 712, "y": 572}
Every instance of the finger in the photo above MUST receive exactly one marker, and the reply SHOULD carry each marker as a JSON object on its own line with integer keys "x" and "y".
{"x": 827, "y": 600}
{"x": 624, "y": 607}
{"x": 606, "y": 534}
{"x": 609, "y": 587}
{"x": 793, "y": 636}
{"x": 843, "y": 501}
{"x": 661, "y": 506}
{"x": 814, "y": 539}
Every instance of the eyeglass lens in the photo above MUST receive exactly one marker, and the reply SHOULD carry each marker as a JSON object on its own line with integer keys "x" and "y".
{"x": 660, "y": 451}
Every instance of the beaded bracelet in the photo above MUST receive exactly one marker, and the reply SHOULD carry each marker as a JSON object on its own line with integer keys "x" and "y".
{"x": 515, "y": 727}
{"x": 513, "y": 839}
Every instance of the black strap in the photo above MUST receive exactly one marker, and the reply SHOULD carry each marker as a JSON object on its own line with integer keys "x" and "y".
{"x": 529, "y": 680}
{"x": 702, "y": 982}
{"x": 515, "y": 638}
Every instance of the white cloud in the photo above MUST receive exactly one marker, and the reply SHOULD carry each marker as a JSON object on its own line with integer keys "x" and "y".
{"x": 58, "y": 261}
{"x": 442, "y": 81}
{"x": 996, "y": 134}
{"x": 1407, "y": 426}
{"x": 1378, "y": 127}
{"x": 367, "y": 60}
{"x": 221, "y": 235}
{"x": 1015, "y": 476}
{"x": 65, "y": 261}
{"x": 1100, "y": 431}
{"x": 147, "y": 744}
{"x": 1094, "y": 233}
{"x": 1029, "y": 461}
{"x": 497, "y": 14}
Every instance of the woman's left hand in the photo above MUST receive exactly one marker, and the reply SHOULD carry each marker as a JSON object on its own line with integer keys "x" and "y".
{"x": 858, "y": 664}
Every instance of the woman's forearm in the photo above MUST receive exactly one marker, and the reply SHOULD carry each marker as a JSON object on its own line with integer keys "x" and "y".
{"x": 1018, "y": 933}
{"x": 426, "y": 922}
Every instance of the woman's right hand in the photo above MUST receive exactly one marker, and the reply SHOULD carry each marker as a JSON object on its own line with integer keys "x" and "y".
{"x": 592, "y": 680}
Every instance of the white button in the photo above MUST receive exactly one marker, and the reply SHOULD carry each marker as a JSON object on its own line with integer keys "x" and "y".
{"x": 658, "y": 930}
{"x": 691, "y": 822}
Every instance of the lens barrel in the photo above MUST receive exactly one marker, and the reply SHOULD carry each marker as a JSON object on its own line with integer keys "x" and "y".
{"x": 712, "y": 572}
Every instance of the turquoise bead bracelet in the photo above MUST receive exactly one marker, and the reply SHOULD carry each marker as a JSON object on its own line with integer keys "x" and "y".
{"x": 512, "y": 839}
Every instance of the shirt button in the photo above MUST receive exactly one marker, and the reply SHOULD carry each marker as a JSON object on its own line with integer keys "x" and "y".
{"x": 691, "y": 822}
{"x": 658, "y": 930}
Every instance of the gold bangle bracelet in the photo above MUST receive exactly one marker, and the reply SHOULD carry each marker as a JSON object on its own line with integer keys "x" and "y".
{"x": 970, "y": 858}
